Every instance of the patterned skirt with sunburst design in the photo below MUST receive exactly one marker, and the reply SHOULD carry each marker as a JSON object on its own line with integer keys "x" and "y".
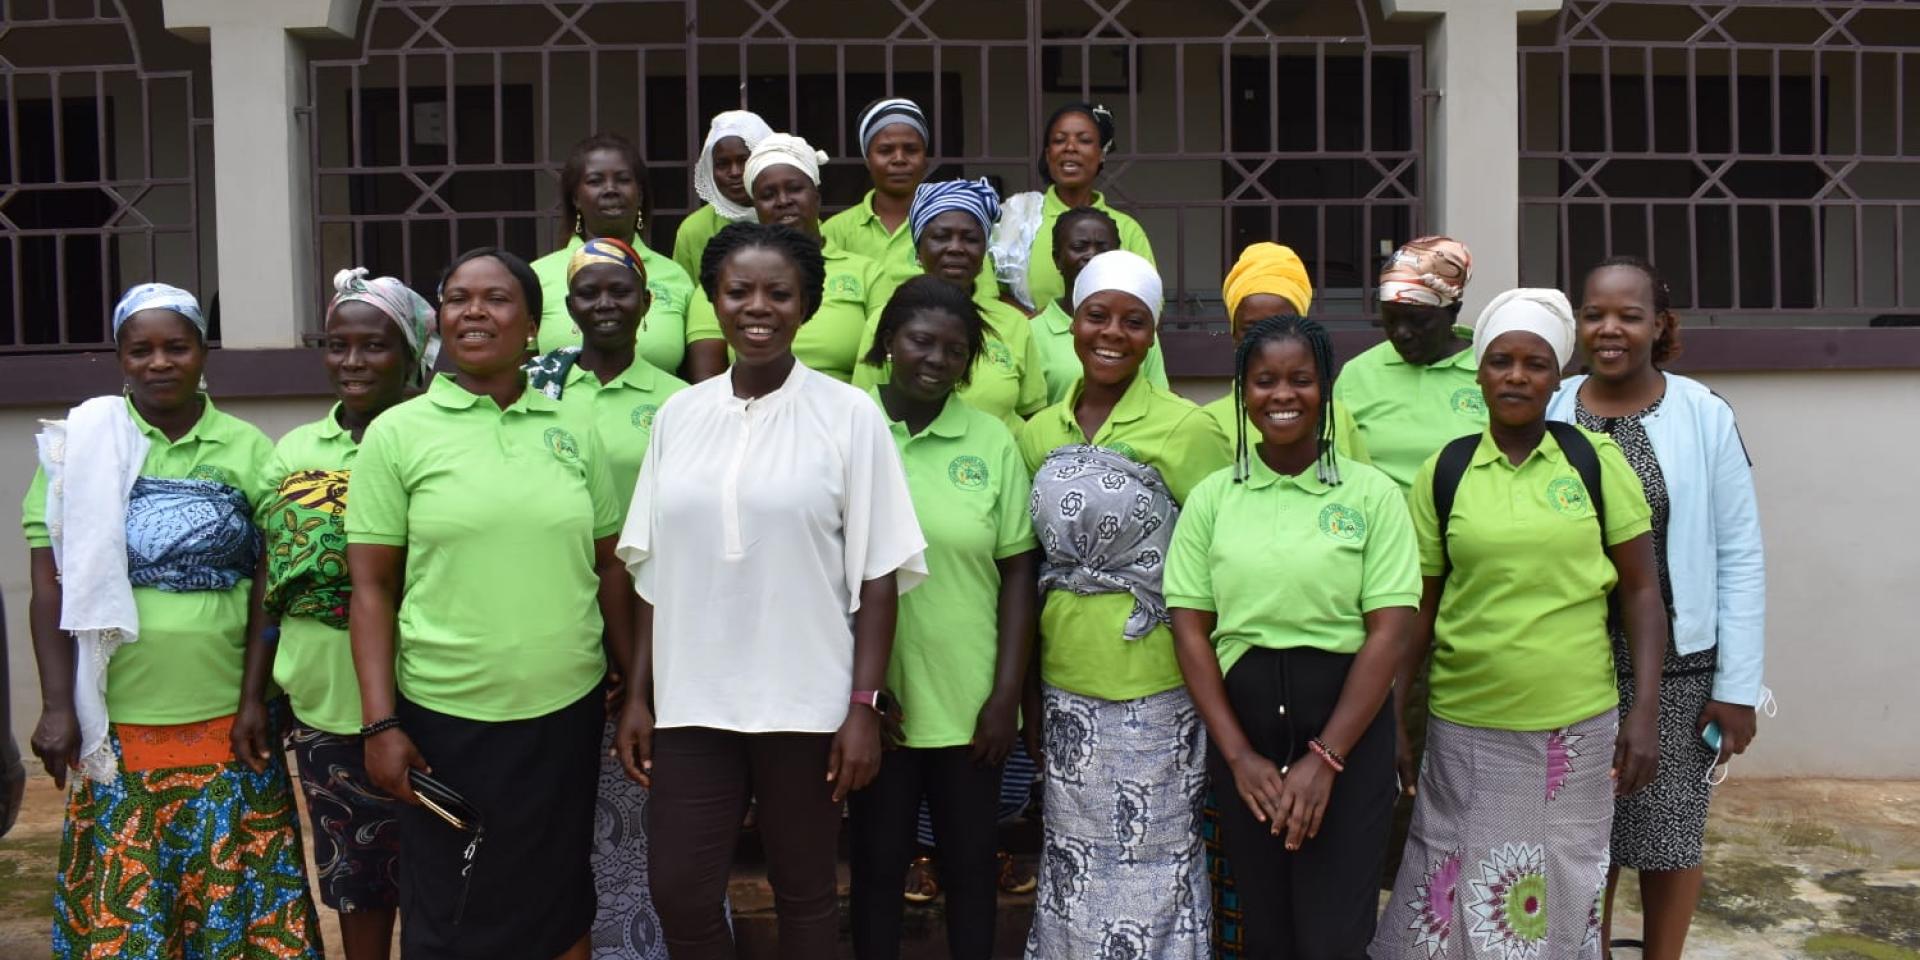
{"x": 1507, "y": 857}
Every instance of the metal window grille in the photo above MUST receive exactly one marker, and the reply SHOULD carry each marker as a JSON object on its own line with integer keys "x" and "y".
{"x": 1240, "y": 120}
{"x": 1765, "y": 155}
{"x": 104, "y": 175}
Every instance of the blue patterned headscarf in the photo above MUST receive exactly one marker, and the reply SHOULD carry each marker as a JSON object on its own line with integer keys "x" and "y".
{"x": 933, "y": 199}
{"x": 159, "y": 296}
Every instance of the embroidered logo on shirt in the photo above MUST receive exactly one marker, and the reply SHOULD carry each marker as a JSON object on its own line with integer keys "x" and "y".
{"x": 212, "y": 474}
{"x": 661, "y": 295}
{"x": 563, "y": 446}
{"x": 1469, "y": 402}
{"x": 643, "y": 416}
{"x": 968, "y": 472}
{"x": 1122, "y": 448}
{"x": 1568, "y": 496}
{"x": 844, "y": 286}
{"x": 999, "y": 355}
{"x": 1343, "y": 523}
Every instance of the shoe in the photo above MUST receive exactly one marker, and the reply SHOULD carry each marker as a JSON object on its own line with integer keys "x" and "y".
{"x": 923, "y": 881}
{"x": 1015, "y": 876}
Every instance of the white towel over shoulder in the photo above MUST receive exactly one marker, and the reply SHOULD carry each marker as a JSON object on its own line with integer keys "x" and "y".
{"x": 91, "y": 460}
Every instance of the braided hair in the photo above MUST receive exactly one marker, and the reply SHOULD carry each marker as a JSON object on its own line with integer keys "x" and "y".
{"x": 800, "y": 250}
{"x": 1279, "y": 329}
{"x": 1668, "y": 345}
{"x": 920, "y": 294}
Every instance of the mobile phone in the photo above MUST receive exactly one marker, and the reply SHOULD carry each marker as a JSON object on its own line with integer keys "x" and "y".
{"x": 1711, "y": 737}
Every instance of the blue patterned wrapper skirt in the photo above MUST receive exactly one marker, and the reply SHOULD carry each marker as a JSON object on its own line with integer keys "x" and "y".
{"x": 1123, "y": 874}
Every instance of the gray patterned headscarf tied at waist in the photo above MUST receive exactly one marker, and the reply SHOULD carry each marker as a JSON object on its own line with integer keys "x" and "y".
{"x": 1105, "y": 523}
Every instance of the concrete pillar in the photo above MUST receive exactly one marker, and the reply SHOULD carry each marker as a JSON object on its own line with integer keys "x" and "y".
{"x": 264, "y": 216}
{"x": 1473, "y": 130}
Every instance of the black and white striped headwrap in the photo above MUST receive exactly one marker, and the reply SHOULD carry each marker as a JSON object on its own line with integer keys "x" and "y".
{"x": 933, "y": 199}
{"x": 885, "y": 113}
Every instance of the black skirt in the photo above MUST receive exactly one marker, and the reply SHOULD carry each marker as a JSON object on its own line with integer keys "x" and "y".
{"x": 530, "y": 892}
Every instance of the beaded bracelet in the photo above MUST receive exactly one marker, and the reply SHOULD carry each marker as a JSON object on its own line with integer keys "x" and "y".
{"x": 1334, "y": 760}
{"x": 380, "y": 726}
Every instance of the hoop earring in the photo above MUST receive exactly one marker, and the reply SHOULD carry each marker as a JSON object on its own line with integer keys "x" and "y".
{"x": 579, "y": 227}
{"x": 639, "y": 223}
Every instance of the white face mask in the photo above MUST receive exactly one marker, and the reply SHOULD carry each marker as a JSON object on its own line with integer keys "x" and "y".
{"x": 1717, "y": 772}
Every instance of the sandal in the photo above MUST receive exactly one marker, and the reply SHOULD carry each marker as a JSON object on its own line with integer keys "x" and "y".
{"x": 1015, "y": 876}
{"x": 923, "y": 881}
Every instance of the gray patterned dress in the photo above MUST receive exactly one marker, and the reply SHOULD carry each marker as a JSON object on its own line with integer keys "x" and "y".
{"x": 1662, "y": 826}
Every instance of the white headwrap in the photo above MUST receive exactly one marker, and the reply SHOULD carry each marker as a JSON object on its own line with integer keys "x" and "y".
{"x": 1543, "y": 312}
{"x": 784, "y": 148}
{"x": 1121, "y": 270}
{"x": 744, "y": 124}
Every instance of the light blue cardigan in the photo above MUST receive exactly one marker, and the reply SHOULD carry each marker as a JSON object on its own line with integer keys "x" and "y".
{"x": 1713, "y": 531}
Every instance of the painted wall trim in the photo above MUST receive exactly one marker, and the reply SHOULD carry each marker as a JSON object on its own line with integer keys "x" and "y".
{"x": 1705, "y": 349}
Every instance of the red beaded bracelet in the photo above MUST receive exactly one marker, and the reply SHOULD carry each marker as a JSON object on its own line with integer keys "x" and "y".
{"x": 1326, "y": 753}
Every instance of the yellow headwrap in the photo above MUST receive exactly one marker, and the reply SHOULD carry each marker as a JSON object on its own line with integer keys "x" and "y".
{"x": 1268, "y": 268}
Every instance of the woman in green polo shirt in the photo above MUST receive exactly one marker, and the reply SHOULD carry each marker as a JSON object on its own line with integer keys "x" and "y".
{"x": 962, "y": 641}
{"x": 1269, "y": 280}
{"x": 1293, "y": 582}
{"x": 1525, "y": 752}
{"x": 893, "y": 139}
{"x": 1411, "y": 394}
{"x": 379, "y": 342}
{"x": 180, "y": 832}
{"x": 949, "y": 222}
{"x": 1079, "y": 235}
{"x": 478, "y": 631}
{"x": 719, "y": 178}
{"x": 1124, "y": 750}
{"x": 607, "y": 296}
{"x": 603, "y": 193}
{"x": 784, "y": 177}
{"x": 1077, "y": 139}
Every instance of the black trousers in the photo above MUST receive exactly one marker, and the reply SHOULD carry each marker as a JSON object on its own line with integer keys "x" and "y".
{"x": 962, "y": 798}
{"x": 1317, "y": 903}
{"x": 703, "y": 779}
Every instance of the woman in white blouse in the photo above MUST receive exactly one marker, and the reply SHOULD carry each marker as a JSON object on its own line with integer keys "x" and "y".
{"x": 770, "y": 536}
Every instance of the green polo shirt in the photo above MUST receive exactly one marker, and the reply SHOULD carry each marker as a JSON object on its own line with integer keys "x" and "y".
{"x": 498, "y": 511}
{"x": 1346, "y": 437}
{"x": 186, "y": 665}
{"x": 690, "y": 241}
{"x": 829, "y": 342}
{"x": 1082, "y": 649}
{"x": 1521, "y": 639}
{"x": 1006, "y": 381}
{"x": 1289, "y": 562}
{"x": 1044, "y": 282}
{"x": 1053, "y": 331}
{"x": 858, "y": 229}
{"x": 313, "y": 662}
{"x": 969, "y": 489}
{"x": 1405, "y": 413}
{"x": 622, "y": 411}
{"x": 662, "y": 337}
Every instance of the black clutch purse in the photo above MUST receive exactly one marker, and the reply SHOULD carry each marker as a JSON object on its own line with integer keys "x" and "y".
{"x": 443, "y": 802}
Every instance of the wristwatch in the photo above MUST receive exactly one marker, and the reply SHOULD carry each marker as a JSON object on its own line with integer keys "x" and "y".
{"x": 880, "y": 701}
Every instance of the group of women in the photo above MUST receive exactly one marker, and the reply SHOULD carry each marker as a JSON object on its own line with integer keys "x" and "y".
{"x": 854, "y": 518}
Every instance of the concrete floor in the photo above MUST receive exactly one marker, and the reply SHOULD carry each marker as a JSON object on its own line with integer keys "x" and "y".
{"x": 1797, "y": 870}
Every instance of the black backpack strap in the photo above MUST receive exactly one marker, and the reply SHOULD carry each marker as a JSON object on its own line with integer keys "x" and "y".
{"x": 1447, "y": 473}
{"x": 1586, "y": 462}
